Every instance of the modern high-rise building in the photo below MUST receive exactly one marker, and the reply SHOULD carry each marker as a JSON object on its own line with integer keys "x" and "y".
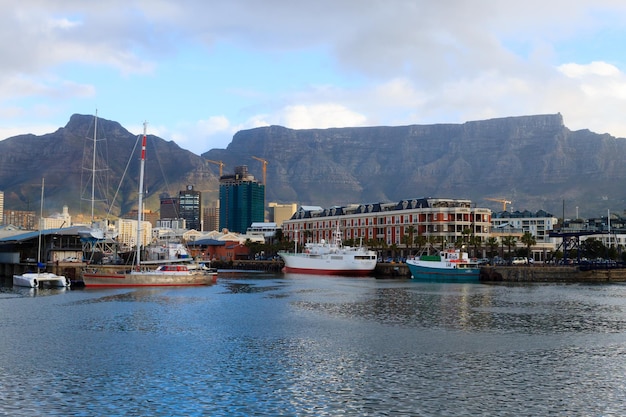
{"x": 190, "y": 208}
{"x": 212, "y": 218}
{"x": 169, "y": 207}
{"x": 242, "y": 200}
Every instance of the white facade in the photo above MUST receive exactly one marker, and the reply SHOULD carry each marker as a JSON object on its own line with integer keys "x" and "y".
{"x": 127, "y": 232}
{"x": 57, "y": 221}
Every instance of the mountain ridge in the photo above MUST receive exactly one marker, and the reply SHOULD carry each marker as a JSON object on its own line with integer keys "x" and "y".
{"x": 534, "y": 161}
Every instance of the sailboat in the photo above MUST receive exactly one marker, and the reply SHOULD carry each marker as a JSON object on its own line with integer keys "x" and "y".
{"x": 39, "y": 278}
{"x": 139, "y": 276}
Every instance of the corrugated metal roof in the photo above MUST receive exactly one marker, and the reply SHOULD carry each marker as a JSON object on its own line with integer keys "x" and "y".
{"x": 33, "y": 234}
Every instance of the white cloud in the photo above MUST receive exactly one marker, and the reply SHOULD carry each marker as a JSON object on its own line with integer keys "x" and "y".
{"x": 322, "y": 115}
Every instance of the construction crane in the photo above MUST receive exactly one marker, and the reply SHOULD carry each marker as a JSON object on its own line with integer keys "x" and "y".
{"x": 500, "y": 200}
{"x": 264, "y": 169}
{"x": 220, "y": 163}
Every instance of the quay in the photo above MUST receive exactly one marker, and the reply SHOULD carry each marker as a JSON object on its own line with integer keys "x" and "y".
{"x": 521, "y": 273}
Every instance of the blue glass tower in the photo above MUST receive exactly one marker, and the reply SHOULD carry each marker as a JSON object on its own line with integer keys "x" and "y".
{"x": 242, "y": 200}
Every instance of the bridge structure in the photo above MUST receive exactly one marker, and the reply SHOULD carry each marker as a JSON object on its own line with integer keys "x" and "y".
{"x": 571, "y": 240}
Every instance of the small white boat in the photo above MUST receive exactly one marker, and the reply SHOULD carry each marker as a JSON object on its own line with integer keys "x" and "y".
{"x": 40, "y": 279}
{"x": 325, "y": 258}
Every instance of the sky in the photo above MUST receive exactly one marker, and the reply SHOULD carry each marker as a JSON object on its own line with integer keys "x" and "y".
{"x": 198, "y": 71}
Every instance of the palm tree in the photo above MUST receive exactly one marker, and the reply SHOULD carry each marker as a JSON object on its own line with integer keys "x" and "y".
{"x": 410, "y": 231}
{"x": 420, "y": 241}
{"x": 492, "y": 243}
{"x": 509, "y": 241}
{"x": 529, "y": 240}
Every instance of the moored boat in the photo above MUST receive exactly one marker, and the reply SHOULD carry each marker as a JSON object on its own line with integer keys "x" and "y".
{"x": 168, "y": 274}
{"x": 451, "y": 265}
{"x": 39, "y": 278}
{"x": 164, "y": 275}
{"x": 325, "y": 258}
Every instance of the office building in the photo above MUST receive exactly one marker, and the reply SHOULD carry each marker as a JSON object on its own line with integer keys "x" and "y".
{"x": 242, "y": 201}
{"x": 190, "y": 208}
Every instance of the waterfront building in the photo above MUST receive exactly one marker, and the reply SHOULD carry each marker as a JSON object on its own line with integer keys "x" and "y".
{"x": 539, "y": 224}
{"x": 190, "y": 207}
{"x": 267, "y": 230}
{"x": 443, "y": 220}
{"x": 242, "y": 200}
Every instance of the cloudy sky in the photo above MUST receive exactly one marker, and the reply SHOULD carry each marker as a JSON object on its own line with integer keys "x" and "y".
{"x": 200, "y": 70}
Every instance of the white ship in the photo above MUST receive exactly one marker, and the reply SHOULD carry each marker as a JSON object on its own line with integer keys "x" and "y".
{"x": 325, "y": 258}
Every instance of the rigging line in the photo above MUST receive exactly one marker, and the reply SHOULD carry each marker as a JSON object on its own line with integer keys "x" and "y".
{"x": 123, "y": 175}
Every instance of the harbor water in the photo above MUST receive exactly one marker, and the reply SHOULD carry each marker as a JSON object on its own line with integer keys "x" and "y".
{"x": 296, "y": 345}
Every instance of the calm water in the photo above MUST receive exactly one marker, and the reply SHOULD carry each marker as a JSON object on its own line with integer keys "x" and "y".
{"x": 299, "y": 345}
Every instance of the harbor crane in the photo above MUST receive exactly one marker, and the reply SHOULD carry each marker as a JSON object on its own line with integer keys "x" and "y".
{"x": 220, "y": 163}
{"x": 500, "y": 200}
{"x": 264, "y": 168}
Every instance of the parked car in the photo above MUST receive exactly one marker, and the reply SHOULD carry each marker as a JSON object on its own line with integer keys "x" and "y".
{"x": 520, "y": 261}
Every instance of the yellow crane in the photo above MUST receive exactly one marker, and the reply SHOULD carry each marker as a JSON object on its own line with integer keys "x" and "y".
{"x": 220, "y": 163}
{"x": 264, "y": 168}
{"x": 500, "y": 200}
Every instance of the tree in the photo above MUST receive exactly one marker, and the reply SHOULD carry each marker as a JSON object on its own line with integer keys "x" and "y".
{"x": 529, "y": 240}
{"x": 509, "y": 241}
{"x": 410, "y": 232}
{"x": 492, "y": 243}
{"x": 420, "y": 241}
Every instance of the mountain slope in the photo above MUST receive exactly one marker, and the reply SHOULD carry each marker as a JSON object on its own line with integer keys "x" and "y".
{"x": 535, "y": 161}
{"x": 58, "y": 157}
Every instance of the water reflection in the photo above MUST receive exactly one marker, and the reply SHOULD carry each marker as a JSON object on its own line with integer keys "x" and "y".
{"x": 290, "y": 345}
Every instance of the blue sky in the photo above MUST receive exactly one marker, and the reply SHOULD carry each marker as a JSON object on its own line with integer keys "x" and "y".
{"x": 200, "y": 70}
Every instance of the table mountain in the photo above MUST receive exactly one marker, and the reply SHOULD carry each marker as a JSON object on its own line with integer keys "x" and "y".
{"x": 534, "y": 161}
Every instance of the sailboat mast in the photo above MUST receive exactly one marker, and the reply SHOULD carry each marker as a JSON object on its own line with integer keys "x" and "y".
{"x": 40, "y": 226}
{"x": 140, "y": 203}
{"x": 93, "y": 168}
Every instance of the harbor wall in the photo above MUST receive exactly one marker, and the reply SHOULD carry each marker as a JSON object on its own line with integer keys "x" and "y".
{"x": 524, "y": 273}
{"x": 551, "y": 274}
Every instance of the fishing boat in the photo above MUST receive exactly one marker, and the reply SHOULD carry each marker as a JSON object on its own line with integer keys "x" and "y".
{"x": 450, "y": 265}
{"x": 333, "y": 258}
{"x": 40, "y": 279}
{"x": 145, "y": 274}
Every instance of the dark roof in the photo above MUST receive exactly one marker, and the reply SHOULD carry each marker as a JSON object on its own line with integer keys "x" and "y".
{"x": 34, "y": 234}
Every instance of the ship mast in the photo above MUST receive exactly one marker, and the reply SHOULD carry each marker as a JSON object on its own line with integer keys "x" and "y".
{"x": 140, "y": 203}
{"x": 93, "y": 168}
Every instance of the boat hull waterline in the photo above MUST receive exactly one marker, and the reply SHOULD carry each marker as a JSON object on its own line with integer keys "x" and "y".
{"x": 449, "y": 266}
{"x": 147, "y": 279}
{"x": 420, "y": 273}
